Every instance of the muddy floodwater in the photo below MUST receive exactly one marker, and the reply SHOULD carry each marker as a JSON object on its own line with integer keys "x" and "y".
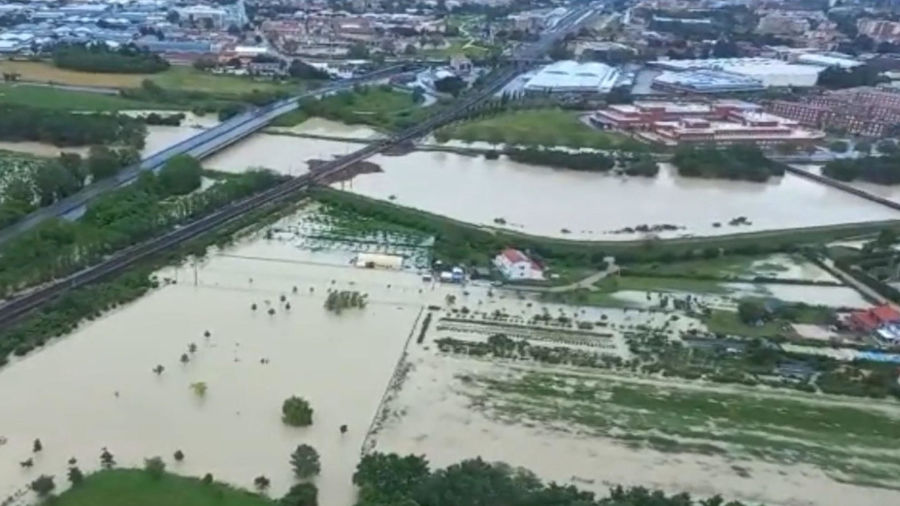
{"x": 158, "y": 137}
{"x": 579, "y": 205}
{"x": 96, "y": 388}
{"x": 284, "y": 154}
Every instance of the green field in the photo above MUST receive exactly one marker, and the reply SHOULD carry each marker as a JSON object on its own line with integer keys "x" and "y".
{"x": 377, "y": 106}
{"x": 729, "y": 266}
{"x": 539, "y": 127}
{"x": 847, "y": 441}
{"x": 131, "y": 487}
{"x": 53, "y": 98}
{"x": 176, "y": 78}
{"x": 191, "y": 79}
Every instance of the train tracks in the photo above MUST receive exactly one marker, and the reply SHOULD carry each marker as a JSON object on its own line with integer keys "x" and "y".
{"x": 19, "y": 306}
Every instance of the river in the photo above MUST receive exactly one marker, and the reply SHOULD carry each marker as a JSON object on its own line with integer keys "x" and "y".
{"x": 546, "y": 201}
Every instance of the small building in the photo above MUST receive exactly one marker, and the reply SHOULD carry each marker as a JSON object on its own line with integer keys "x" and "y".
{"x": 872, "y": 319}
{"x": 515, "y": 265}
{"x": 460, "y": 64}
{"x": 374, "y": 260}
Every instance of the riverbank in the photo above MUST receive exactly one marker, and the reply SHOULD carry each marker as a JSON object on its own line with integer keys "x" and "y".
{"x": 462, "y": 241}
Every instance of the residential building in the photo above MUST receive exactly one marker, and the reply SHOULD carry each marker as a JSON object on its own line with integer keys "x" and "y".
{"x": 879, "y": 29}
{"x": 516, "y": 266}
{"x": 866, "y": 111}
{"x": 782, "y": 23}
{"x": 872, "y": 319}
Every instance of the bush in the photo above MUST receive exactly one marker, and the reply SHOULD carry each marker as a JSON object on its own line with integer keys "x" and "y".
{"x": 155, "y": 467}
{"x": 302, "y": 494}
{"x": 296, "y": 412}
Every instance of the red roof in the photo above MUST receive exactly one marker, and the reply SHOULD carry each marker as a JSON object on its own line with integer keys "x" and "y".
{"x": 515, "y": 256}
{"x": 872, "y": 318}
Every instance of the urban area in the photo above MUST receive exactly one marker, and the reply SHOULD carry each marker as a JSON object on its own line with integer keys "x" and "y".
{"x": 450, "y": 252}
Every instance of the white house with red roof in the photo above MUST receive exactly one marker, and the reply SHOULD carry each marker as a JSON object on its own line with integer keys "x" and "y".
{"x": 515, "y": 265}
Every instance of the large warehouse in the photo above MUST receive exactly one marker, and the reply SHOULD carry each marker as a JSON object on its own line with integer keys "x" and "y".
{"x": 572, "y": 77}
{"x": 705, "y": 81}
{"x": 768, "y": 71}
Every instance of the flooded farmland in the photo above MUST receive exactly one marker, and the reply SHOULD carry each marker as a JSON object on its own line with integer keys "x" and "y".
{"x": 588, "y": 430}
{"x": 580, "y": 205}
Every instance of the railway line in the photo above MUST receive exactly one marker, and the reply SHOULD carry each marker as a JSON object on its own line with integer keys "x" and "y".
{"x": 14, "y": 309}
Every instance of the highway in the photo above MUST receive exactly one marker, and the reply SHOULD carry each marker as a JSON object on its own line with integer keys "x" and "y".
{"x": 201, "y": 145}
{"x": 17, "y": 307}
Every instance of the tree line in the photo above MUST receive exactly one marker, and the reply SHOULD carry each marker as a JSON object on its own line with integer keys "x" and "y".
{"x": 391, "y": 479}
{"x": 874, "y": 169}
{"x": 590, "y": 162}
{"x": 46, "y": 181}
{"x": 127, "y": 59}
{"x": 151, "y": 205}
{"x": 743, "y": 162}
{"x": 63, "y": 128}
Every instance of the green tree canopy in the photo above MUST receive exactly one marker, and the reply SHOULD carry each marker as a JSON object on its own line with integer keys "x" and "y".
{"x": 305, "y": 462}
{"x": 182, "y": 174}
{"x": 296, "y": 411}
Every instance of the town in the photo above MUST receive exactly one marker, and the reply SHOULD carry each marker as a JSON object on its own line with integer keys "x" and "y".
{"x": 449, "y": 252}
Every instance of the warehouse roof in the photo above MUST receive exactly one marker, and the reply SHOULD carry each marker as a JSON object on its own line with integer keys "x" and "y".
{"x": 571, "y": 75}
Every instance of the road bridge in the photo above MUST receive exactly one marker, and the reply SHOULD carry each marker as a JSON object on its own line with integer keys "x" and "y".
{"x": 23, "y": 304}
{"x": 201, "y": 145}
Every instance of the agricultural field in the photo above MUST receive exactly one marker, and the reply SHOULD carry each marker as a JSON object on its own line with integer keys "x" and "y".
{"x": 584, "y": 408}
{"x": 63, "y": 99}
{"x": 181, "y": 78}
{"x": 539, "y": 127}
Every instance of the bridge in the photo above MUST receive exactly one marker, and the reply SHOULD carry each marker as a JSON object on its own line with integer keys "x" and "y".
{"x": 23, "y": 304}
{"x": 201, "y": 145}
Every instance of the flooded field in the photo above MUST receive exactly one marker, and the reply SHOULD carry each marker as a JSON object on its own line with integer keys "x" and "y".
{"x": 321, "y": 126}
{"x": 582, "y": 205}
{"x": 96, "y": 388}
{"x": 158, "y": 136}
{"x": 284, "y": 154}
{"x": 596, "y": 429}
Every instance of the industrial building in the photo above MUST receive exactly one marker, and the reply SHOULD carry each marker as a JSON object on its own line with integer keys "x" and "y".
{"x": 705, "y": 81}
{"x": 641, "y": 115}
{"x": 719, "y": 122}
{"x": 573, "y": 78}
{"x": 768, "y": 71}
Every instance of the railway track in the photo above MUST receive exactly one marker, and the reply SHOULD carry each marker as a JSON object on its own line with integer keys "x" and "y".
{"x": 14, "y": 309}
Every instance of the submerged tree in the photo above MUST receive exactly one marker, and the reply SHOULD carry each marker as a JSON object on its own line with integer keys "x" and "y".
{"x": 296, "y": 411}
{"x": 107, "y": 461}
{"x": 179, "y": 455}
{"x": 37, "y": 446}
{"x": 262, "y": 483}
{"x": 199, "y": 388}
{"x": 305, "y": 462}
{"x": 75, "y": 476}
{"x": 43, "y": 485}
{"x": 337, "y": 301}
{"x": 301, "y": 494}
